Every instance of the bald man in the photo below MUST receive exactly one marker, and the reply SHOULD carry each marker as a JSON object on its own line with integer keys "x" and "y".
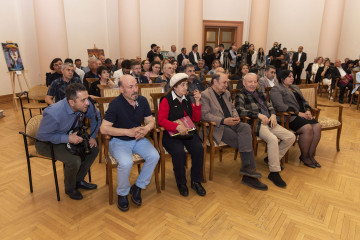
{"x": 123, "y": 121}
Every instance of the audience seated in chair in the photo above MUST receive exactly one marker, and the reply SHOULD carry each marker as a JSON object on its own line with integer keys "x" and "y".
{"x": 342, "y": 77}
{"x": 58, "y": 120}
{"x": 193, "y": 81}
{"x": 215, "y": 64}
{"x": 154, "y": 70}
{"x": 104, "y": 73}
{"x": 123, "y": 121}
{"x": 168, "y": 72}
{"x": 125, "y": 69}
{"x": 240, "y": 73}
{"x": 58, "y": 86}
{"x": 55, "y": 66}
{"x": 136, "y": 72}
{"x": 287, "y": 97}
{"x": 94, "y": 63}
{"x": 175, "y": 105}
{"x": 252, "y": 103}
{"x": 216, "y": 106}
{"x": 269, "y": 79}
{"x": 323, "y": 76}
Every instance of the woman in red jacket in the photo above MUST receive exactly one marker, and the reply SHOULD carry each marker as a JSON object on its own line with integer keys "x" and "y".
{"x": 175, "y": 105}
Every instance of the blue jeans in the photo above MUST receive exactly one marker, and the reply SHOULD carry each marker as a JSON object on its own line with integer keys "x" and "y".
{"x": 122, "y": 151}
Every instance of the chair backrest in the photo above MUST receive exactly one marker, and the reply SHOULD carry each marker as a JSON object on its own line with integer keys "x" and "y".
{"x": 91, "y": 80}
{"x": 106, "y": 91}
{"x": 267, "y": 93}
{"x": 103, "y": 104}
{"x": 38, "y": 92}
{"x": 146, "y": 89}
{"x": 32, "y": 127}
{"x": 309, "y": 93}
{"x": 207, "y": 78}
{"x": 153, "y": 79}
{"x": 233, "y": 84}
{"x": 156, "y": 102}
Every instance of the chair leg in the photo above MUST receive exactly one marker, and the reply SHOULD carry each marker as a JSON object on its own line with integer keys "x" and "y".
{"x": 220, "y": 154}
{"x": 89, "y": 173}
{"x": 235, "y": 154}
{"x": 352, "y": 97}
{"x": 156, "y": 172}
{"x": 56, "y": 180}
{"x": 338, "y": 139}
{"x": 100, "y": 148}
{"x": 110, "y": 181}
{"x": 212, "y": 155}
{"x": 162, "y": 159}
{"x": 139, "y": 168}
{"x": 287, "y": 156}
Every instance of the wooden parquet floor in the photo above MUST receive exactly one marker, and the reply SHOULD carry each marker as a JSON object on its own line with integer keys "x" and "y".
{"x": 317, "y": 203}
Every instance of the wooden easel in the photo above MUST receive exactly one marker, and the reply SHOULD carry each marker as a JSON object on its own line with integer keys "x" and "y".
{"x": 12, "y": 79}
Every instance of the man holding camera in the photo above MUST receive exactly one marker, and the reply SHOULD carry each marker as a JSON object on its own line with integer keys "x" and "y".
{"x": 58, "y": 121}
{"x": 276, "y": 56}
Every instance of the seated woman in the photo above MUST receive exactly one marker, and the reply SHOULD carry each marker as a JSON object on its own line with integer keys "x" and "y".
{"x": 174, "y": 62}
{"x": 215, "y": 64}
{"x": 175, "y": 105}
{"x": 324, "y": 73}
{"x": 318, "y": 63}
{"x": 145, "y": 66}
{"x": 240, "y": 73}
{"x": 286, "y": 97}
{"x": 104, "y": 73}
{"x": 251, "y": 102}
{"x": 154, "y": 70}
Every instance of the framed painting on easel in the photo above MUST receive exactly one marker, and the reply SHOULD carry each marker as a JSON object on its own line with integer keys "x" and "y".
{"x": 12, "y": 57}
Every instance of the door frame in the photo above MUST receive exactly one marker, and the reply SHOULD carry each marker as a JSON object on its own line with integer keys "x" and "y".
{"x": 238, "y": 25}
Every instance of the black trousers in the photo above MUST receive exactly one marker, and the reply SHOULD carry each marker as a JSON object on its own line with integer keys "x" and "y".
{"x": 297, "y": 74}
{"x": 343, "y": 88}
{"x": 176, "y": 149}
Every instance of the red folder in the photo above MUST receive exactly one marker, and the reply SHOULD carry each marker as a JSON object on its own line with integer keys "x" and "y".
{"x": 186, "y": 122}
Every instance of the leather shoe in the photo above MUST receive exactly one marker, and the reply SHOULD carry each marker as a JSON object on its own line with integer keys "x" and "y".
{"x": 307, "y": 162}
{"x": 254, "y": 183}
{"x": 135, "y": 191}
{"x": 316, "y": 163}
{"x": 250, "y": 173}
{"x": 74, "y": 194}
{"x": 183, "y": 190}
{"x": 123, "y": 203}
{"x": 85, "y": 185}
{"x": 198, "y": 188}
{"x": 276, "y": 179}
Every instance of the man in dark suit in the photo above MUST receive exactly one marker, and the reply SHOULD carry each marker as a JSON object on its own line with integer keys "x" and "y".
{"x": 154, "y": 52}
{"x": 344, "y": 80}
{"x": 194, "y": 56}
{"x": 298, "y": 64}
{"x": 136, "y": 72}
{"x": 182, "y": 56}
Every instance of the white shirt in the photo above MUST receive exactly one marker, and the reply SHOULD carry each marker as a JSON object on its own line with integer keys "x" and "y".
{"x": 174, "y": 96}
{"x": 172, "y": 54}
{"x": 271, "y": 83}
{"x": 222, "y": 57}
{"x": 81, "y": 73}
{"x": 117, "y": 75}
{"x": 299, "y": 56}
{"x": 195, "y": 57}
{"x": 342, "y": 72}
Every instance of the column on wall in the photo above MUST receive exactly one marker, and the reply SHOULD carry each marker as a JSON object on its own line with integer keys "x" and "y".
{"x": 259, "y": 23}
{"x": 129, "y": 28}
{"x": 50, "y": 32}
{"x": 193, "y": 24}
{"x": 331, "y": 28}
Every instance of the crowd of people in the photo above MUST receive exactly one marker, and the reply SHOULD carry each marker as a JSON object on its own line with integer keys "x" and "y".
{"x": 129, "y": 118}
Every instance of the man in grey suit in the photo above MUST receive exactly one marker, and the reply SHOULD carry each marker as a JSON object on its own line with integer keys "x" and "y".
{"x": 269, "y": 79}
{"x": 216, "y": 106}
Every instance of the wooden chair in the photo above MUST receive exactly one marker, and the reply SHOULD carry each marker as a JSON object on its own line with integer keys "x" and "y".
{"x": 110, "y": 161}
{"x": 106, "y": 91}
{"x": 156, "y": 101}
{"x": 146, "y": 89}
{"x": 153, "y": 79}
{"x": 35, "y": 100}
{"x": 233, "y": 84}
{"x": 31, "y": 129}
{"x": 357, "y": 92}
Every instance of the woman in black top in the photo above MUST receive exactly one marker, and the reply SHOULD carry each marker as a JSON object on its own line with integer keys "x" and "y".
{"x": 240, "y": 73}
{"x": 104, "y": 74}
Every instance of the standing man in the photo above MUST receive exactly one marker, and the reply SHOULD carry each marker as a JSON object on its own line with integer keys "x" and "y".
{"x": 220, "y": 54}
{"x": 57, "y": 120}
{"x": 182, "y": 56}
{"x": 155, "y": 51}
{"x": 172, "y": 53}
{"x": 298, "y": 61}
{"x": 123, "y": 121}
{"x": 217, "y": 106}
{"x": 194, "y": 56}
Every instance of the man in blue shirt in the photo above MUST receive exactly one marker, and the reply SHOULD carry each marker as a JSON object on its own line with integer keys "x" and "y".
{"x": 57, "y": 120}
{"x": 57, "y": 87}
{"x": 123, "y": 121}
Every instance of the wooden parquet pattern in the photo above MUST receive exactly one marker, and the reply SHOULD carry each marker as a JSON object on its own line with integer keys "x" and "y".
{"x": 317, "y": 203}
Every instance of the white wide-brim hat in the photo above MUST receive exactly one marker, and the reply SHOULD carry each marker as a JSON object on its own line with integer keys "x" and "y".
{"x": 177, "y": 77}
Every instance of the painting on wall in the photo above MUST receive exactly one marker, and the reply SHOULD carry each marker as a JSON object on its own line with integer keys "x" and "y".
{"x": 95, "y": 52}
{"x": 12, "y": 57}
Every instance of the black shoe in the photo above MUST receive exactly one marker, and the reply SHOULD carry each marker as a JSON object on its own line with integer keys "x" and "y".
{"x": 74, "y": 194}
{"x": 307, "y": 162}
{"x": 198, "y": 188}
{"x": 250, "y": 173}
{"x": 85, "y": 185}
{"x": 316, "y": 163}
{"x": 266, "y": 160}
{"x": 136, "y": 195}
{"x": 123, "y": 203}
{"x": 276, "y": 179}
{"x": 183, "y": 190}
{"x": 254, "y": 183}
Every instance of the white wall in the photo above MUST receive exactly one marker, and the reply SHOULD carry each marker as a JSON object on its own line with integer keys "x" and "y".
{"x": 19, "y": 26}
{"x": 295, "y": 23}
{"x": 229, "y": 10}
{"x": 350, "y": 36}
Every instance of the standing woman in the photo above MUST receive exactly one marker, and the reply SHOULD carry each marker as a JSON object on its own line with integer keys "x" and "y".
{"x": 261, "y": 61}
{"x": 287, "y": 97}
{"x": 175, "y": 105}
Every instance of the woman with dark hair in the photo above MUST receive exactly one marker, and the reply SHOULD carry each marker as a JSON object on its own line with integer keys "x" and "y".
{"x": 251, "y": 55}
{"x": 239, "y": 75}
{"x": 175, "y": 64}
{"x": 261, "y": 61}
{"x": 215, "y": 64}
{"x": 287, "y": 97}
{"x": 208, "y": 56}
{"x": 154, "y": 70}
{"x": 104, "y": 73}
{"x": 174, "y": 106}
{"x": 145, "y": 66}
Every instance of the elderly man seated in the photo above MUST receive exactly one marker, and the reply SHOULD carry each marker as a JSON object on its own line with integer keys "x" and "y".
{"x": 251, "y": 102}
{"x": 216, "y": 106}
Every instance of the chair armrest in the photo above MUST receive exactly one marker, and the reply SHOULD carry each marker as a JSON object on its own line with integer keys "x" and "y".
{"x": 34, "y": 138}
{"x": 22, "y": 93}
